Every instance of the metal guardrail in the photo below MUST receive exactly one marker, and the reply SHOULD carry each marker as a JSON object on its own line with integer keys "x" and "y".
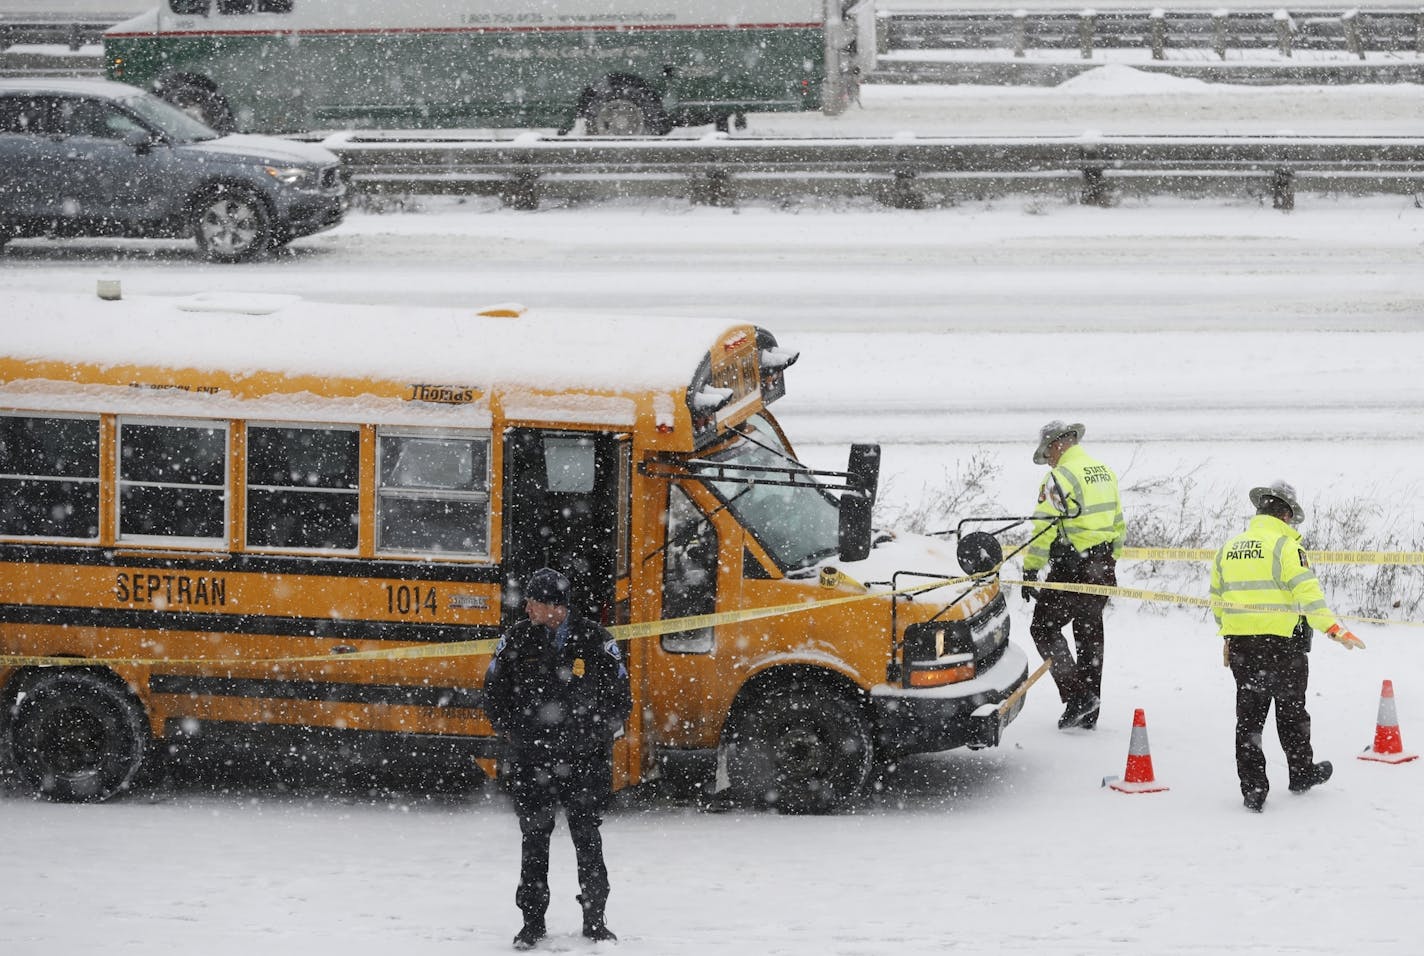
{"x": 907, "y": 173}
{"x": 1047, "y": 47}
{"x": 71, "y": 31}
{"x": 1354, "y": 31}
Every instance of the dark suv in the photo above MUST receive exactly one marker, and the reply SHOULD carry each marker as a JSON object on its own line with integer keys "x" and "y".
{"x": 95, "y": 158}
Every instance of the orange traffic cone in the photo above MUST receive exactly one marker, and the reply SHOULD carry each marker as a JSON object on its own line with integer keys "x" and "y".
{"x": 1388, "y": 748}
{"x": 1138, "y": 776}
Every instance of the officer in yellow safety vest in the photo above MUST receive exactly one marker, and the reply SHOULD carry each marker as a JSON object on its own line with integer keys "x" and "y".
{"x": 1078, "y": 532}
{"x": 1264, "y": 570}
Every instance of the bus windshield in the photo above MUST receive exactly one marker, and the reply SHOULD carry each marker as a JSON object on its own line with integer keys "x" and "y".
{"x": 798, "y": 525}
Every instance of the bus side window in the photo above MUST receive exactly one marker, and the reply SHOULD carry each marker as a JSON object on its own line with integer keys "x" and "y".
{"x": 173, "y": 480}
{"x": 570, "y": 464}
{"x": 689, "y": 573}
{"x": 302, "y": 489}
{"x": 233, "y": 7}
{"x": 432, "y": 493}
{"x": 49, "y": 477}
{"x": 189, "y": 8}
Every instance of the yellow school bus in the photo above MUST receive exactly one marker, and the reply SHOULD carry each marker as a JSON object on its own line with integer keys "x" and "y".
{"x": 261, "y": 516}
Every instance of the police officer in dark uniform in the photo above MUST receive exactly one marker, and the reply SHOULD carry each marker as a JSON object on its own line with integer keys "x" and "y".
{"x": 557, "y": 692}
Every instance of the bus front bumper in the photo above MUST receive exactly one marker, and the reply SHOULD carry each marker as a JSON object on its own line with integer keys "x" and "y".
{"x": 967, "y": 714}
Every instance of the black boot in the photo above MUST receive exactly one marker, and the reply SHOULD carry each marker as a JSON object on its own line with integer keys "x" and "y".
{"x": 1080, "y": 712}
{"x": 1318, "y": 774}
{"x": 594, "y": 927}
{"x": 532, "y": 932}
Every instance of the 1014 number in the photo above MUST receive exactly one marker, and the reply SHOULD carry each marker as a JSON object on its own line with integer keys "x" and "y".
{"x": 411, "y": 599}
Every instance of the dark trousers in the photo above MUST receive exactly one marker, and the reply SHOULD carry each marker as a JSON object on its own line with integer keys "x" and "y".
{"x": 1078, "y": 676}
{"x": 540, "y": 782}
{"x": 1270, "y": 668}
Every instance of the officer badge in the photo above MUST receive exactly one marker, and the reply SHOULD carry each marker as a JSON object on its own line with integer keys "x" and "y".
{"x": 1055, "y": 497}
{"x": 578, "y": 667}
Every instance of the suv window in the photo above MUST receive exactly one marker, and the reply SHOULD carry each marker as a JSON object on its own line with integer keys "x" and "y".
{"x": 96, "y": 118}
{"x": 172, "y": 122}
{"x": 24, "y": 115}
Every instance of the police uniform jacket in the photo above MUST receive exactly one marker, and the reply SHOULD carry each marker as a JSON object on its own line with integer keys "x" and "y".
{"x": 1265, "y": 566}
{"x": 561, "y": 700}
{"x": 1078, "y": 508}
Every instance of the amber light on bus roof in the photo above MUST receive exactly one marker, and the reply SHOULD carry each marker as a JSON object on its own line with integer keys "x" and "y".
{"x": 510, "y": 310}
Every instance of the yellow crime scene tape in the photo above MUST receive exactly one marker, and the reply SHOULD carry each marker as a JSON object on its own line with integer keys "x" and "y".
{"x": 487, "y": 646}
{"x": 1401, "y": 558}
{"x": 1167, "y": 597}
{"x": 695, "y": 622}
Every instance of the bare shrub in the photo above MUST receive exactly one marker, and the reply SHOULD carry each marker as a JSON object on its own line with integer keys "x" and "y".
{"x": 965, "y": 493}
{"x": 1181, "y": 510}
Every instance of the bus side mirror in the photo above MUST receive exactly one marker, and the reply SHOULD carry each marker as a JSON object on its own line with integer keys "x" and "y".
{"x": 978, "y": 552}
{"x": 857, "y": 503}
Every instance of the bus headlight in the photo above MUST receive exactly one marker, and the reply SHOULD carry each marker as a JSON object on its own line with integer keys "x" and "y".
{"x": 939, "y": 653}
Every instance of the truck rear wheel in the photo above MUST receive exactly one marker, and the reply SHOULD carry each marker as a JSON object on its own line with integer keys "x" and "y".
{"x": 626, "y": 110}
{"x": 208, "y": 107}
{"x": 800, "y": 747}
{"x": 76, "y": 736}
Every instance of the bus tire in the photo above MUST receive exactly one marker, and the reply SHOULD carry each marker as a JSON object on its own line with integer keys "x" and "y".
{"x": 76, "y": 736}
{"x": 203, "y": 103}
{"x": 625, "y": 109}
{"x": 801, "y": 747}
{"x": 232, "y": 224}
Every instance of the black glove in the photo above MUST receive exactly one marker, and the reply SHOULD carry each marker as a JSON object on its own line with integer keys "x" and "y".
{"x": 1030, "y": 594}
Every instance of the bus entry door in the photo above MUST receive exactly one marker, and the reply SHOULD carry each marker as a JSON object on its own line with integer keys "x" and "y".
{"x": 566, "y": 507}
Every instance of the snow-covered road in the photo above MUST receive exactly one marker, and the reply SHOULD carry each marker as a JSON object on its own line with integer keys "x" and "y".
{"x": 1217, "y": 344}
{"x": 962, "y": 322}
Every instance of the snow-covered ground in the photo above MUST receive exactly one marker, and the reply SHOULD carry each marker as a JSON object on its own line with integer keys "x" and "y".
{"x": 74, "y": 7}
{"x": 1117, "y": 99}
{"x": 1209, "y": 346}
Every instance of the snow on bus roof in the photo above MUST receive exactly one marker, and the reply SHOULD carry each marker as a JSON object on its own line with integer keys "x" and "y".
{"x": 244, "y": 333}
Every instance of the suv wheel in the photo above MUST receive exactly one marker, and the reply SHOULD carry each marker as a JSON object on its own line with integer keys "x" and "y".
{"x": 232, "y": 224}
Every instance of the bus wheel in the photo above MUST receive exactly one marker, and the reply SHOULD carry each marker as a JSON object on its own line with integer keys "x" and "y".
{"x": 626, "y": 110}
{"x": 232, "y": 224}
{"x": 801, "y": 748}
{"x": 208, "y": 107}
{"x": 76, "y": 736}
